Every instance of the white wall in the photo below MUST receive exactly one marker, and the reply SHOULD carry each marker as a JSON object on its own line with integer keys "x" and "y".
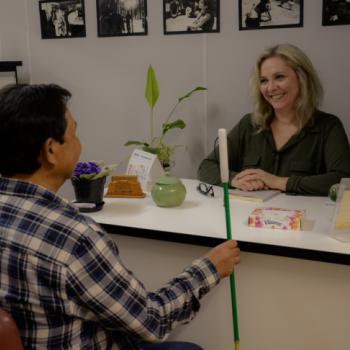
{"x": 14, "y": 38}
{"x": 107, "y": 75}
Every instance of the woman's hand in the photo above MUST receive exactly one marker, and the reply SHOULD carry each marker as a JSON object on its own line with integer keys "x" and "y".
{"x": 245, "y": 183}
{"x": 257, "y": 179}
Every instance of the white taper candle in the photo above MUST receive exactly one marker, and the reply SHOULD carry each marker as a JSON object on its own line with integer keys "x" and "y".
{"x": 223, "y": 155}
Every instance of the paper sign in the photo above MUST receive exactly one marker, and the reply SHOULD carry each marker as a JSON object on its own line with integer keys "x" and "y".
{"x": 340, "y": 228}
{"x": 343, "y": 218}
{"x": 146, "y": 167}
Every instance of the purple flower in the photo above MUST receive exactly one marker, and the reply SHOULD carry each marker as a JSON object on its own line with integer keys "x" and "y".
{"x": 92, "y": 171}
{"x": 86, "y": 168}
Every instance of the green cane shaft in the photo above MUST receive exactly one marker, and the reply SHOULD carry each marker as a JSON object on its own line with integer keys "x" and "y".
{"x": 232, "y": 277}
{"x": 227, "y": 211}
{"x": 234, "y": 308}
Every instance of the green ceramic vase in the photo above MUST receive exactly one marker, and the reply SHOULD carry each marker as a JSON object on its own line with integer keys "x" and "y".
{"x": 168, "y": 191}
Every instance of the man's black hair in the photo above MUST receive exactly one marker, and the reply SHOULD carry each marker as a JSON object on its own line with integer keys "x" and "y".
{"x": 29, "y": 115}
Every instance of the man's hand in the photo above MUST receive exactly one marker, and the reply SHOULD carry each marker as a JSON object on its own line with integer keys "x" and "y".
{"x": 224, "y": 257}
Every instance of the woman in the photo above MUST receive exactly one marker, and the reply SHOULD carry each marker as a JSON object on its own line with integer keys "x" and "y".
{"x": 286, "y": 143}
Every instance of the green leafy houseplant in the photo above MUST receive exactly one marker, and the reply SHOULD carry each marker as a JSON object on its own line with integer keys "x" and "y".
{"x": 156, "y": 144}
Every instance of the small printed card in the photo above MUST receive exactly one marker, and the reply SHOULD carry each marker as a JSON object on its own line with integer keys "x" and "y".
{"x": 146, "y": 167}
{"x": 276, "y": 218}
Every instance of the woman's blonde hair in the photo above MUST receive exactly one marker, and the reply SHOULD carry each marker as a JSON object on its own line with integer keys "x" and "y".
{"x": 311, "y": 91}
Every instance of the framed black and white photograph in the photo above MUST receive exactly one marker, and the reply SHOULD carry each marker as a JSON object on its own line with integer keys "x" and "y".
{"x": 191, "y": 16}
{"x": 121, "y": 17}
{"x": 62, "y": 19}
{"x": 335, "y": 12}
{"x": 269, "y": 14}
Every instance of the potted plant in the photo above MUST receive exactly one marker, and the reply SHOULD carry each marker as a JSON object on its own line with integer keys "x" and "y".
{"x": 88, "y": 181}
{"x": 156, "y": 144}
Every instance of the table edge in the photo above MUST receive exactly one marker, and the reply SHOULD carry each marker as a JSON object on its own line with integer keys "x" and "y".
{"x": 251, "y": 247}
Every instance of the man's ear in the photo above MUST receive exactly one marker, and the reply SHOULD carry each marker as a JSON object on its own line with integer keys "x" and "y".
{"x": 48, "y": 152}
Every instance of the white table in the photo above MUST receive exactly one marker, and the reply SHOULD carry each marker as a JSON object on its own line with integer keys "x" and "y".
{"x": 201, "y": 220}
{"x": 284, "y": 303}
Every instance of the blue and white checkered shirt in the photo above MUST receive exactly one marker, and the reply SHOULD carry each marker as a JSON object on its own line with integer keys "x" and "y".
{"x": 62, "y": 279}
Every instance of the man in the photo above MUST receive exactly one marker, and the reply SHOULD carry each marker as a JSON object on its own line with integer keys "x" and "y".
{"x": 61, "y": 276}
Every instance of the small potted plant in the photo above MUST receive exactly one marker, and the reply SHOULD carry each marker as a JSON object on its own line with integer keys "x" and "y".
{"x": 88, "y": 181}
{"x": 156, "y": 144}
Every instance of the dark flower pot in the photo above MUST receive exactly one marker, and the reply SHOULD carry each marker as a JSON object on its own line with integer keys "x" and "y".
{"x": 89, "y": 191}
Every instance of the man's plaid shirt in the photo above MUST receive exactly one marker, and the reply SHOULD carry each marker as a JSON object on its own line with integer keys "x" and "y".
{"x": 62, "y": 279}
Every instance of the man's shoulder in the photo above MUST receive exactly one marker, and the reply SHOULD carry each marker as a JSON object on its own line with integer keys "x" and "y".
{"x": 47, "y": 229}
{"x": 66, "y": 233}
{"x": 76, "y": 224}
{"x": 86, "y": 226}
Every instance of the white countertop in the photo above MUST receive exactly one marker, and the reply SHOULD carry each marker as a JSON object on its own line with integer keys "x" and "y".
{"x": 204, "y": 216}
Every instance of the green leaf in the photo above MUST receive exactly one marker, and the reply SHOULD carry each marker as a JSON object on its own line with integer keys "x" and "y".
{"x": 106, "y": 171}
{"x": 153, "y": 150}
{"x": 88, "y": 176}
{"x": 138, "y": 143}
{"x": 152, "y": 91}
{"x": 177, "y": 124}
{"x": 198, "y": 88}
{"x": 165, "y": 154}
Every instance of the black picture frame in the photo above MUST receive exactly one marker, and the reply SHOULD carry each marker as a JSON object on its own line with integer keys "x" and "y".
{"x": 335, "y": 13}
{"x": 191, "y": 16}
{"x": 270, "y": 14}
{"x": 62, "y": 19}
{"x": 121, "y": 18}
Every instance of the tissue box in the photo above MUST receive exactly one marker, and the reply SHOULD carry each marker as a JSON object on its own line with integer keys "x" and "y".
{"x": 276, "y": 218}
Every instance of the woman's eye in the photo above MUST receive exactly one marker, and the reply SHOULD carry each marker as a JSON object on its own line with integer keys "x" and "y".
{"x": 279, "y": 77}
{"x": 263, "y": 81}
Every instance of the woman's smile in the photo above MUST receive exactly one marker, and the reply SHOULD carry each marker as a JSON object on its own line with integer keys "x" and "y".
{"x": 279, "y": 84}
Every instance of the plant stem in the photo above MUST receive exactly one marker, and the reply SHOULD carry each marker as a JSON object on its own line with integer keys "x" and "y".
{"x": 172, "y": 111}
{"x": 152, "y": 126}
{"x": 167, "y": 120}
